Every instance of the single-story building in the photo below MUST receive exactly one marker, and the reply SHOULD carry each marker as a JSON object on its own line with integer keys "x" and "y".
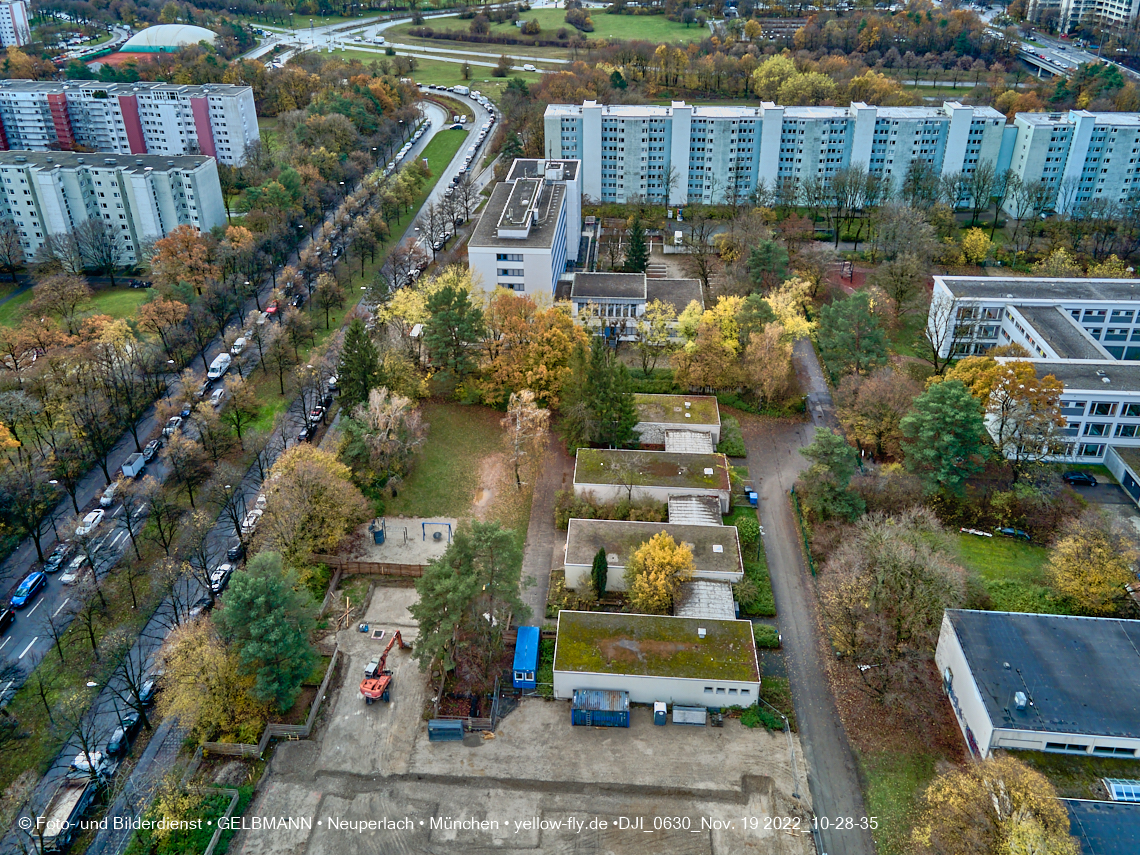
{"x": 692, "y": 661}
{"x": 1104, "y": 828}
{"x": 1042, "y": 682}
{"x": 702, "y": 598}
{"x": 617, "y": 300}
{"x": 660, "y": 413}
{"x": 716, "y": 549}
{"x": 614, "y": 474}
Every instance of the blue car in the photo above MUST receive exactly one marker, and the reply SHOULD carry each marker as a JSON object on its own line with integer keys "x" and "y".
{"x": 31, "y": 585}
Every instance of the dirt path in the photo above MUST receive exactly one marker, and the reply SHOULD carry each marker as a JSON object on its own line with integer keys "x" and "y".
{"x": 543, "y": 540}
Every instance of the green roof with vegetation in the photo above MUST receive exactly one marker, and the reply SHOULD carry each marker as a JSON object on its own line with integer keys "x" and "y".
{"x": 656, "y": 646}
{"x": 651, "y": 469}
{"x": 619, "y": 538}
{"x": 670, "y": 409}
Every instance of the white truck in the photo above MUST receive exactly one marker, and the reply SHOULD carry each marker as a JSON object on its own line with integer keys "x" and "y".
{"x": 460, "y": 90}
{"x": 60, "y": 820}
{"x": 219, "y": 366}
{"x": 133, "y": 465}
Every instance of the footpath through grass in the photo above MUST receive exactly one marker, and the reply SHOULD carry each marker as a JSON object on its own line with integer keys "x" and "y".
{"x": 1012, "y": 573}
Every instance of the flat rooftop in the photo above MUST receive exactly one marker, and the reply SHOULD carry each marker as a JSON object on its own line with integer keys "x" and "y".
{"x": 1130, "y": 455}
{"x": 520, "y": 203}
{"x": 656, "y": 646}
{"x": 651, "y": 469}
{"x": 671, "y": 409}
{"x": 677, "y": 293}
{"x": 1062, "y": 333}
{"x": 703, "y": 598}
{"x": 541, "y": 235}
{"x": 102, "y": 160}
{"x": 1123, "y": 376}
{"x": 116, "y": 88}
{"x": 1078, "y": 672}
{"x": 535, "y": 167}
{"x": 1104, "y": 828}
{"x": 1042, "y": 291}
{"x": 608, "y": 286}
{"x": 716, "y": 548}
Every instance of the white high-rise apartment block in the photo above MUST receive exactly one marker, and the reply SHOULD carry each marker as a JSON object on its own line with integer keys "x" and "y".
{"x": 144, "y": 197}
{"x": 683, "y": 153}
{"x": 14, "y": 28}
{"x": 218, "y": 120}
{"x": 1069, "y": 13}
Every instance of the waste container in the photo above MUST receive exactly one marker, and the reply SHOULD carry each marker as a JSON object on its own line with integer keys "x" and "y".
{"x": 659, "y": 714}
{"x": 377, "y": 527}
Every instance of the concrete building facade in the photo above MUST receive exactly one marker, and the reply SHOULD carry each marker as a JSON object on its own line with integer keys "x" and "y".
{"x": 14, "y": 27}
{"x": 145, "y": 198}
{"x": 216, "y": 120}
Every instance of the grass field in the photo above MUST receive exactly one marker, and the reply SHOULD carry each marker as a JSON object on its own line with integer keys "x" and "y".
{"x": 894, "y": 783}
{"x": 443, "y": 73}
{"x": 1012, "y": 572}
{"x": 442, "y": 148}
{"x": 651, "y": 28}
{"x": 446, "y": 474}
{"x": 119, "y": 302}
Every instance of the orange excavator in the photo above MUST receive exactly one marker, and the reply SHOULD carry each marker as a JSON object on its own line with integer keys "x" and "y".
{"x": 377, "y": 682}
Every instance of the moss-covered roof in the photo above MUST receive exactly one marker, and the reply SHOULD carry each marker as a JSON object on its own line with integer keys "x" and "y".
{"x": 655, "y": 646}
{"x": 585, "y": 537}
{"x": 651, "y": 469}
{"x": 671, "y": 409}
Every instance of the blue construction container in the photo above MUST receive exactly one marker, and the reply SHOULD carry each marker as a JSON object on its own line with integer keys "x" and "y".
{"x": 526, "y": 658}
{"x": 600, "y": 708}
{"x": 440, "y": 730}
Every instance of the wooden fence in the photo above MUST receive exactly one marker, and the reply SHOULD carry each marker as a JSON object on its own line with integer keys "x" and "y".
{"x": 369, "y": 568}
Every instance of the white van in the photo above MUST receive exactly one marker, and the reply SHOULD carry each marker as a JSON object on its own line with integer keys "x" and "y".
{"x": 219, "y": 366}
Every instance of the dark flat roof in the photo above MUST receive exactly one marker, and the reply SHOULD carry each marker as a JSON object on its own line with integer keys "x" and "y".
{"x": 531, "y": 167}
{"x": 678, "y": 293}
{"x": 1105, "y": 828}
{"x": 1123, "y": 376}
{"x": 1048, "y": 290}
{"x": 1079, "y": 673}
{"x": 1062, "y": 333}
{"x": 609, "y": 286}
{"x": 541, "y": 233}
{"x": 101, "y": 160}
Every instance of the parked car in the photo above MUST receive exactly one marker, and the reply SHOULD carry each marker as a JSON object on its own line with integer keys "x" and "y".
{"x": 148, "y": 690}
{"x": 316, "y": 414}
{"x": 96, "y": 764}
{"x": 201, "y": 605}
{"x": 151, "y": 450}
{"x": 74, "y": 570}
{"x": 1079, "y": 479}
{"x": 202, "y": 389}
{"x": 186, "y": 410}
{"x": 333, "y": 383}
{"x": 236, "y": 552}
{"x": 108, "y": 497}
{"x": 33, "y": 583}
{"x": 297, "y": 300}
{"x": 172, "y": 425}
{"x": 221, "y": 577}
{"x": 249, "y": 524}
{"x": 238, "y": 346}
{"x": 1007, "y": 531}
{"x": 305, "y": 434}
{"x": 120, "y": 741}
{"x": 90, "y": 522}
{"x": 7, "y": 618}
{"x": 58, "y": 557}
{"x": 271, "y": 309}
{"x": 217, "y": 398}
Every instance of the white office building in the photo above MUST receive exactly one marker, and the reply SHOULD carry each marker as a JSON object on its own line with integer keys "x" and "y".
{"x": 1069, "y": 13}
{"x": 14, "y": 28}
{"x": 681, "y": 153}
{"x": 217, "y": 120}
{"x": 144, "y": 197}
{"x": 530, "y": 228}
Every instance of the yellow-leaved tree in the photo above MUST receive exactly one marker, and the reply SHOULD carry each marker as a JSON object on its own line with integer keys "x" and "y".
{"x": 975, "y": 246}
{"x": 998, "y": 806}
{"x": 1092, "y": 561}
{"x": 655, "y": 572}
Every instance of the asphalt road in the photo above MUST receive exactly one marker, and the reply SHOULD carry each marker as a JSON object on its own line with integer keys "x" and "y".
{"x": 774, "y": 462}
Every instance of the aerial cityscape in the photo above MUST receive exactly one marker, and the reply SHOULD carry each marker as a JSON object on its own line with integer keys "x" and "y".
{"x": 665, "y": 426}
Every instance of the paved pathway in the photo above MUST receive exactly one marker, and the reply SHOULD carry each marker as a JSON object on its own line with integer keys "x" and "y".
{"x": 774, "y": 462}
{"x": 543, "y": 541}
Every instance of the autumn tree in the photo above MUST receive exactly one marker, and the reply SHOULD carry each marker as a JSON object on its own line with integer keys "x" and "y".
{"x": 767, "y": 363}
{"x": 1058, "y": 264}
{"x": 267, "y": 618}
{"x": 999, "y": 806}
{"x": 64, "y": 296}
{"x": 328, "y": 296}
{"x": 182, "y": 262}
{"x": 653, "y": 331}
{"x": 381, "y": 438}
{"x": 312, "y": 505}
{"x": 871, "y": 408}
{"x": 944, "y": 438}
{"x": 189, "y": 467}
{"x": 824, "y": 489}
{"x": 1092, "y": 561}
{"x": 12, "y": 256}
{"x": 241, "y": 408}
{"x": 161, "y": 317}
{"x": 655, "y": 572}
{"x": 883, "y": 592}
{"x": 526, "y": 424}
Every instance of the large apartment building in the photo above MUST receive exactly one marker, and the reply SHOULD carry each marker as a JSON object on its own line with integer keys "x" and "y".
{"x": 217, "y": 120}
{"x": 683, "y": 153}
{"x": 1068, "y": 13}
{"x": 145, "y": 197}
{"x": 14, "y": 28}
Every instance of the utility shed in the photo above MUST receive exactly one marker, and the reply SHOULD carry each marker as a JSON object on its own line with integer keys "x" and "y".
{"x": 1104, "y": 828}
{"x": 696, "y": 662}
{"x": 1045, "y": 682}
{"x": 715, "y": 548}
{"x": 526, "y": 657}
{"x": 612, "y": 474}
{"x": 658, "y": 413}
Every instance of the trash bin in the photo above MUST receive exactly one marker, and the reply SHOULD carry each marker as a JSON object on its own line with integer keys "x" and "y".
{"x": 659, "y": 714}
{"x": 377, "y": 527}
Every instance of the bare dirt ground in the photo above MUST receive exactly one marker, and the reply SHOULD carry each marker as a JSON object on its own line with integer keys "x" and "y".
{"x": 409, "y": 540}
{"x": 536, "y": 787}
{"x": 493, "y": 480}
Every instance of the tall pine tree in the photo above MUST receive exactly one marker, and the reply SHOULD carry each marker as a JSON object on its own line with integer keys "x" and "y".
{"x": 610, "y": 399}
{"x": 359, "y": 369}
{"x": 637, "y": 254}
{"x": 455, "y": 324}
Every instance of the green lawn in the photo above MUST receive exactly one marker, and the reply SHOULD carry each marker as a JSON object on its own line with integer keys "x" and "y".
{"x": 1012, "y": 573}
{"x": 894, "y": 783}
{"x": 651, "y": 28}
{"x": 118, "y": 302}
{"x": 13, "y": 310}
{"x": 442, "y": 148}
{"x": 446, "y": 473}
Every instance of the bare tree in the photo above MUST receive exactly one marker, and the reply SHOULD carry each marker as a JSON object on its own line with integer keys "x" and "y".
{"x": 702, "y": 260}
{"x": 134, "y": 498}
{"x": 11, "y": 249}
{"x": 936, "y": 341}
{"x": 102, "y": 246}
{"x": 54, "y": 625}
{"x": 164, "y": 515}
{"x": 526, "y": 424}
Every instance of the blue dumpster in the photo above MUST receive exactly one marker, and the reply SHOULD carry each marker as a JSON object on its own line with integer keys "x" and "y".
{"x": 378, "y": 529}
{"x": 600, "y": 708}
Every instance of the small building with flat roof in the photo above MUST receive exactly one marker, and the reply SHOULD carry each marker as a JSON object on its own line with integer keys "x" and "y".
{"x": 617, "y": 300}
{"x": 659, "y": 413}
{"x": 1104, "y": 828}
{"x": 613, "y": 474}
{"x": 693, "y": 661}
{"x": 1042, "y": 682}
{"x": 716, "y": 549}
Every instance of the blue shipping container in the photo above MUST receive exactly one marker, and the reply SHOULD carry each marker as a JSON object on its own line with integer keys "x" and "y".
{"x": 600, "y": 708}
{"x": 526, "y": 657}
{"x": 440, "y": 730}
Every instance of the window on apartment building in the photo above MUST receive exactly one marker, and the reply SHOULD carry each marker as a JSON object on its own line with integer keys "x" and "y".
{"x": 1103, "y": 408}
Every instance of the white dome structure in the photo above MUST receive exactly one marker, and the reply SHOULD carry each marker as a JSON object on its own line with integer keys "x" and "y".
{"x": 167, "y": 38}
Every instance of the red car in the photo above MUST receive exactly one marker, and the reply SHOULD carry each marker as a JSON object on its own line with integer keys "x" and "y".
{"x": 271, "y": 309}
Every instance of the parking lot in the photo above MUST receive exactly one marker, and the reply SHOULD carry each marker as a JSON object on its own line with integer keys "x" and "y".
{"x": 375, "y": 762}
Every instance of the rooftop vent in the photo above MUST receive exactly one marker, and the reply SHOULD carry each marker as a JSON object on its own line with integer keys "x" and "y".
{"x": 1020, "y": 700}
{"x": 1104, "y": 378}
{"x": 687, "y": 405}
{"x": 700, "y": 632}
{"x": 718, "y": 548}
{"x": 708, "y": 471}
{"x": 1005, "y": 665}
{"x": 612, "y": 558}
